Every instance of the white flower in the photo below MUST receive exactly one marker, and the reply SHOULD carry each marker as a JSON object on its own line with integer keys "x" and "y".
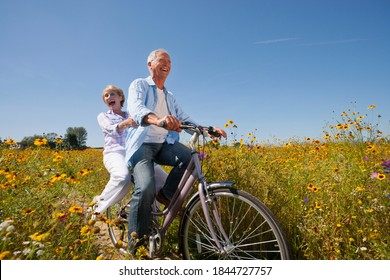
{"x": 5, "y": 224}
{"x": 26, "y": 251}
{"x": 10, "y": 228}
{"x": 40, "y": 253}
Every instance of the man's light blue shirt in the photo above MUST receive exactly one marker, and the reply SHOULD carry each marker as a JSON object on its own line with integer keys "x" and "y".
{"x": 141, "y": 101}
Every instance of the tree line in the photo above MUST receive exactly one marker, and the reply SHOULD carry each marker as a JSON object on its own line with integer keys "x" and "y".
{"x": 75, "y": 138}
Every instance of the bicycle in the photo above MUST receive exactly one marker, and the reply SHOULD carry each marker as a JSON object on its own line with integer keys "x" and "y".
{"x": 218, "y": 221}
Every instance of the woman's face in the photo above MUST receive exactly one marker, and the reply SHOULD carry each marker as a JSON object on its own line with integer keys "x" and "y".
{"x": 113, "y": 100}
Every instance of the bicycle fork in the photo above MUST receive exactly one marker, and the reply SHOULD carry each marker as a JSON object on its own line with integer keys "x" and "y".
{"x": 204, "y": 199}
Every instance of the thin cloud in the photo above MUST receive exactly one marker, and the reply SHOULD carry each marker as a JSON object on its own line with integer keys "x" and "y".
{"x": 336, "y": 42}
{"x": 265, "y": 42}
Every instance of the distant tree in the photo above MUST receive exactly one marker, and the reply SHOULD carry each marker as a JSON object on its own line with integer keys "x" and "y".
{"x": 76, "y": 138}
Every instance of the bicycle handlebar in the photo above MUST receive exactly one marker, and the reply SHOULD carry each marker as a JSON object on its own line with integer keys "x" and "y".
{"x": 195, "y": 128}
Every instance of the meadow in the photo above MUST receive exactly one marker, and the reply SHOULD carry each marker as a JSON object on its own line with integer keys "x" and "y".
{"x": 331, "y": 195}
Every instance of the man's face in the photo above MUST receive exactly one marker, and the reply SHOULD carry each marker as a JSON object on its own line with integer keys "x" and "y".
{"x": 160, "y": 66}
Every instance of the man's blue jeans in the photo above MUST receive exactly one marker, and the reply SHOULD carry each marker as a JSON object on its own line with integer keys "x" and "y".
{"x": 142, "y": 162}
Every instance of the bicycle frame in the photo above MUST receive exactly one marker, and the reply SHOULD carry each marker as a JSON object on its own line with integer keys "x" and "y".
{"x": 191, "y": 175}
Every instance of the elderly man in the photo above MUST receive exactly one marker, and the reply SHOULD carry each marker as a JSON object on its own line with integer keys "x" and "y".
{"x": 150, "y": 104}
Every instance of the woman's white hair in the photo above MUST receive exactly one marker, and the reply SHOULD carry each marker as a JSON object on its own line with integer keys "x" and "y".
{"x": 152, "y": 56}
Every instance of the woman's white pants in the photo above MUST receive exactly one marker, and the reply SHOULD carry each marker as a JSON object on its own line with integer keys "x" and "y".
{"x": 120, "y": 181}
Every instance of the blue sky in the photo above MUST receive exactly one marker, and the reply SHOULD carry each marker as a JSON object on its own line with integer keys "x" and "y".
{"x": 280, "y": 67}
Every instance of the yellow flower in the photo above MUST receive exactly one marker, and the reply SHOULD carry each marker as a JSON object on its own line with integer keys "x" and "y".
{"x": 10, "y": 142}
{"x": 100, "y": 257}
{"x": 75, "y": 209}
{"x": 28, "y": 211}
{"x": 371, "y": 107}
{"x": 84, "y": 172}
{"x": 381, "y": 176}
{"x": 39, "y": 237}
{"x": 57, "y": 215}
{"x": 40, "y": 141}
{"x": 57, "y": 177}
{"x": 85, "y": 230}
{"x": 3, "y": 254}
{"x": 229, "y": 122}
{"x": 141, "y": 252}
{"x": 58, "y": 158}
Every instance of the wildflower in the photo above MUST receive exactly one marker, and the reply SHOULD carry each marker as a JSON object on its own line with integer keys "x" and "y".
{"x": 305, "y": 200}
{"x": 312, "y": 187}
{"x": 141, "y": 252}
{"x": 5, "y": 224}
{"x": 58, "y": 157}
{"x": 100, "y": 257}
{"x": 386, "y": 165}
{"x": 59, "y": 215}
{"x": 40, "y": 253}
{"x": 84, "y": 172}
{"x": 3, "y": 254}
{"x": 28, "y": 211}
{"x": 58, "y": 140}
{"x": 10, "y": 228}
{"x": 57, "y": 177}
{"x": 374, "y": 175}
{"x": 119, "y": 244}
{"x": 75, "y": 209}
{"x": 85, "y": 230}
{"x": 370, "y": 148}
{"x": 10, "y": 142}
{"x": 381, "y": 176}
{"x": 371, "y": 107}
{"x": 39, "y": 237}
{"x": 40, "y": 141}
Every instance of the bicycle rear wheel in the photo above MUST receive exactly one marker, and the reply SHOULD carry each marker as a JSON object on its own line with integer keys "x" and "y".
{"x": 253, "y": 231}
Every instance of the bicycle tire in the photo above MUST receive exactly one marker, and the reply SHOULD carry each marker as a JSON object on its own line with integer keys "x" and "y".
{"x": 252, "y": 229}
{"x": 117, "y": 226}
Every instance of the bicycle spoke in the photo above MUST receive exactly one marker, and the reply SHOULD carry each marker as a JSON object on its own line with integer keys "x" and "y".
{"x": 251, "y": 230}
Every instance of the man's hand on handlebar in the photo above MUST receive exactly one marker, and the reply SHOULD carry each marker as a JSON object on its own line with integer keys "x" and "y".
{"x": 218, "y": 133}
{"x": 170, "y": 123}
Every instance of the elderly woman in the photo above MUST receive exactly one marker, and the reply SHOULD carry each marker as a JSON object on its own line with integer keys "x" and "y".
{"x": 114, "y": 124}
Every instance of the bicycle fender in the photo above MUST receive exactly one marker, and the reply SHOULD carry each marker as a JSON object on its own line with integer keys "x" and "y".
{"x": 211, "y": 186}
{"x": 220, "y": 184}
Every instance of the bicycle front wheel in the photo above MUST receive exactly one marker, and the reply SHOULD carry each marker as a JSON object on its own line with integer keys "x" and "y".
{"x": 250, "y": 230}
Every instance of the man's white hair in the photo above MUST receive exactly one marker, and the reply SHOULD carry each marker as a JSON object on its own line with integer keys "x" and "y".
{"x": 152, "y": 56}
